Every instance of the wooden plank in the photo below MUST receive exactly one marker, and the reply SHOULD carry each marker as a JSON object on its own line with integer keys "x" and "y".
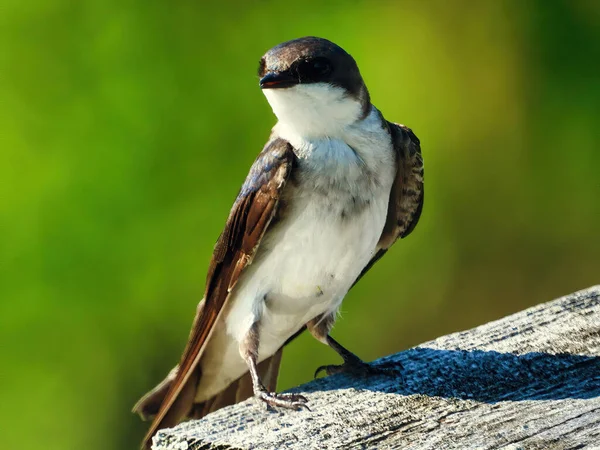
{"x": 528, "y": 381}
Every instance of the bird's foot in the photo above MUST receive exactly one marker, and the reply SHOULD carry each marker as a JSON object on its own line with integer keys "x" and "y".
{"x": 283, "y": 400}
{"x": 356, "y": 366}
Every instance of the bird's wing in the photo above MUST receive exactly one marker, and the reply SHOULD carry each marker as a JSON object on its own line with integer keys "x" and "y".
{"x": 406, "y": 195}
{"x": 248, "y": 220}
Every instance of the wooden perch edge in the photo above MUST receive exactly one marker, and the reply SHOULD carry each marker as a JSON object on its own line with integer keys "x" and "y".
{"x": 530, "y": 380}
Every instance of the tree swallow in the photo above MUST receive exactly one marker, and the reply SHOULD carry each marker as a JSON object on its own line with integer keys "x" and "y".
{"x": 334, "y": 187}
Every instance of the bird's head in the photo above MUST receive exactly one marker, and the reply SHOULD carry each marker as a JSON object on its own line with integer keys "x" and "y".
{"x": 313, "y": 86}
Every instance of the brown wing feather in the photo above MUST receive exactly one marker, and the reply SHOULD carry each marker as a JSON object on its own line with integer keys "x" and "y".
{"x": 406, "y": 196}
{"x": 248, "y": 220}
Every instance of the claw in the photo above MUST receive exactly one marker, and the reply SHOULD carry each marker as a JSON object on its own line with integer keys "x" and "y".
{"x": 353, "y": 367}
{"x": 319, "y": 370}
{"x": 352, "y": 363}
{"x": 301, "y": 405}
{"x": 284, "y": 400}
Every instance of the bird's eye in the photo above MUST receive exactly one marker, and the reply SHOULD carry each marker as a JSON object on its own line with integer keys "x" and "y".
{"x": 320, "y": 66}
{"x": 313, "y": 70}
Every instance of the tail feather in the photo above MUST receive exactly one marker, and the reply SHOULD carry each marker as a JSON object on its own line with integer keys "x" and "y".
{"x": 147, "y": 407}
{"x": 180, "y": 409}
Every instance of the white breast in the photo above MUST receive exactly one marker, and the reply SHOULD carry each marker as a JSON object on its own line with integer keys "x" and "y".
{"x": 312, "y": 261}
{"x": 336, "y": 208}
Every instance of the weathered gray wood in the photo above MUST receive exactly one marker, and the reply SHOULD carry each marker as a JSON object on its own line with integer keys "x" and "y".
{"x": 528, "y": 381}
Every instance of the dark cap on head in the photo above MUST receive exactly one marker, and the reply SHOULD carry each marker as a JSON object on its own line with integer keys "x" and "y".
{"x": 310, "y": 60}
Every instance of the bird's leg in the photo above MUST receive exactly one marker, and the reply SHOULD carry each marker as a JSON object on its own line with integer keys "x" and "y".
{"x": 249, "y": 351}
{"x": 320, "y": 327}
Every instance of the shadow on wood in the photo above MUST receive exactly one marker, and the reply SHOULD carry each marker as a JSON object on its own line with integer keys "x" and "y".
{"x": 531, "y": 380}
{"x": 484, "y": 376}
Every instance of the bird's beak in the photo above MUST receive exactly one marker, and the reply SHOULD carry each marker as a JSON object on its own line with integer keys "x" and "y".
{"x": 277, "y": 80}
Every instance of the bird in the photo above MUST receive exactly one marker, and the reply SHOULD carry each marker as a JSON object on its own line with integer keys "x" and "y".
{"x": 333, "y": 188}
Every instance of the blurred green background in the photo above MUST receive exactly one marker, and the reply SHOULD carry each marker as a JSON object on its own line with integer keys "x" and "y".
{"x": 127, "y": 127}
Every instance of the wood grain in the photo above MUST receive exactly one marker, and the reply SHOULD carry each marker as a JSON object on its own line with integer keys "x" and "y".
{"x": 528, "y": 381}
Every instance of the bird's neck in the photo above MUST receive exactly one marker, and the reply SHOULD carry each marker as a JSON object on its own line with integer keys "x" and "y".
{"x": 365, "y": 142}
{"x": 317, "y": 111}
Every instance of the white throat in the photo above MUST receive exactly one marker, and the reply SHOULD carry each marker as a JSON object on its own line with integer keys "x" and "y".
{"x": 314, "y": 110}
